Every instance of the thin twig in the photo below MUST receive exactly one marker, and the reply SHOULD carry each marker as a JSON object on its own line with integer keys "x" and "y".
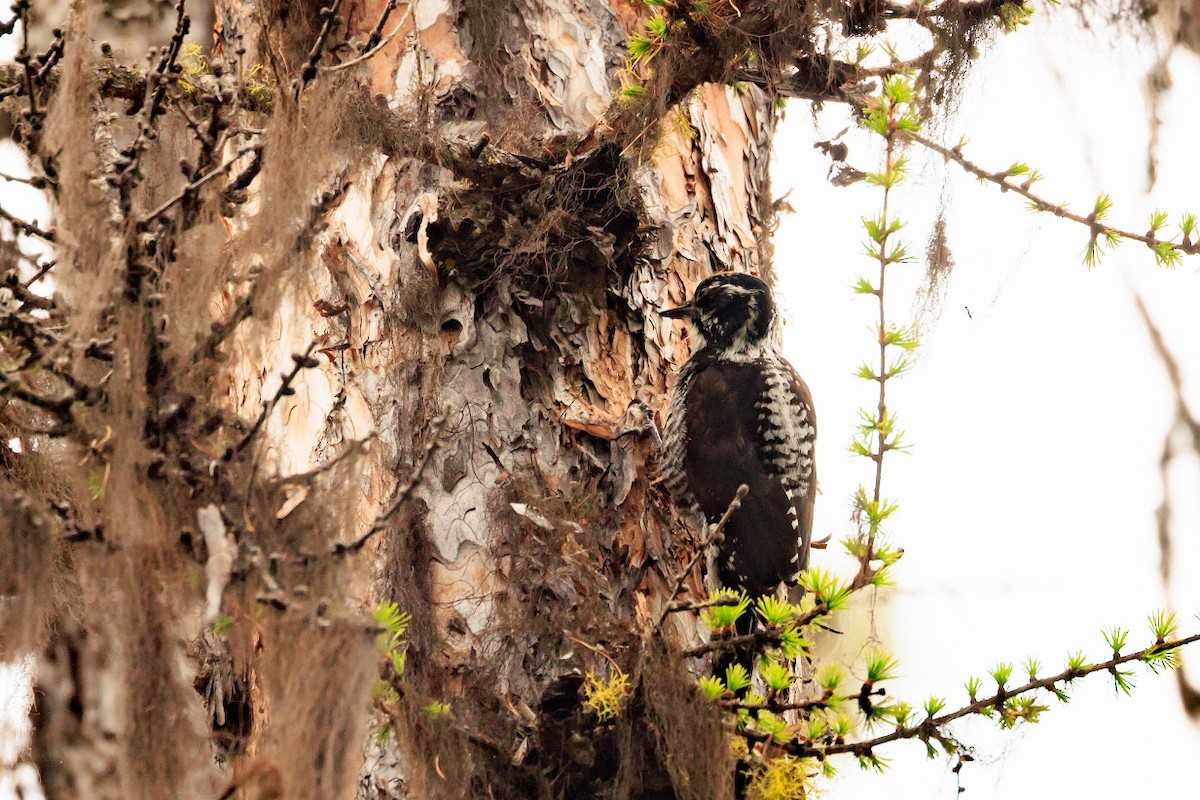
{"x": 27, "y": 228}
{"x": 301, "y": 362}
{"x": 1005, "y": 181}
{"x": 195, "y": 185}
{"x": 761, "y": 637}
{"x": 36, "y": 183}
{"x": 126, "y": 173}
{"x": 353, "y": 448}
{"x": 715, "y": 532}
{"x": 23, "y": 58}
{"x": 1174, "y": 374}
{"x": 377, "y": 31}
{"x": 41, "y": 273}
{"x": 192, "y": 122}
{"x": 931, "y": 725}
{"x": 597, "y": 651}
{"x": 51, "y": 57}
{"x": 329, "y": 15}
{"x": 220, "y": 331}
{"x": 883, "y": 262}
{"x": 372, "y": 51}
{"x": 377, "y": 41}
{"x": 723, "y": 600}
{"x": 402, "y": 492}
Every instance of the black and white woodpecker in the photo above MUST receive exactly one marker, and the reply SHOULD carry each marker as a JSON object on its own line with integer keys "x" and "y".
{"x": 741, "y": 414}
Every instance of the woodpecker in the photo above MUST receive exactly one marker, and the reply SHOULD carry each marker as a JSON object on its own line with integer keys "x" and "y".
{"x": 741, "y": 414}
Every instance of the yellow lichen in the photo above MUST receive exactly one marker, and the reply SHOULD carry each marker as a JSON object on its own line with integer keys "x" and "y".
{"x": 606, "y": 698}
{"x": 258, "y": 83}
{"x": 193, "y": 62}
{"x": 738, "y": 748}
{"x": 782, "y": 778}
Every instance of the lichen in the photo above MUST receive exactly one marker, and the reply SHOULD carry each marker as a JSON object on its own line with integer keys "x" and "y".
{"x": 606, "y": 697}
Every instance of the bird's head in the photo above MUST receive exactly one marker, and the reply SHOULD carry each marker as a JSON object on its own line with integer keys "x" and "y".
{"x": 731, "y": 312}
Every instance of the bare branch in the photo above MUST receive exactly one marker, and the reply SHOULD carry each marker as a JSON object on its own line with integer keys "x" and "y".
{"x": 28, "y": 228}
{"x": 220, "y": 331}
{"x": 36, "y": 183}
{"x": 775, "y": 706}
{"x": 377, "y": 31}
{"x": 756, "y": 640}
{"x": 372, "y": 50}
{"x": 329, "y": 15}
{"x": 23, "y": 58}
{"x": 41, "y": 273}
{"x": 1164, "y": 515}
{"x": 194, "y": 186}
{"x": 403, "y": 492}
{"x": 1174, "y": 375}
{"x": 715, "y": 532}
{"x": 126, "y": 174}
{"x": 302, "y": 362}
{"x": 724, "y": 600}
{"x": 61, "y": 405}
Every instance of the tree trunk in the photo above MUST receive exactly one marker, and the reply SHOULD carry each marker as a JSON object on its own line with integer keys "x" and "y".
{"x": 457, "y": 246}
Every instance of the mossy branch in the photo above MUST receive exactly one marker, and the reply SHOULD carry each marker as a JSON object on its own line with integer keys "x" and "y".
{"x": 119, "y": 82}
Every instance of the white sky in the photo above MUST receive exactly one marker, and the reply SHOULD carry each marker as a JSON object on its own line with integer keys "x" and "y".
{"x": 1027, "y": 502}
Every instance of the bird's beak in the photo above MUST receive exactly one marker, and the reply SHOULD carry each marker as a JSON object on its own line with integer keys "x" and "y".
{"x": 683, "y": 312}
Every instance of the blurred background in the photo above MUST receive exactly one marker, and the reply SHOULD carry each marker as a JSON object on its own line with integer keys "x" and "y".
{"x": 1036, "y": 412}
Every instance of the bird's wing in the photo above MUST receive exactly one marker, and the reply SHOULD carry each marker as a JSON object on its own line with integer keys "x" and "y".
{"x": 729, "y": 409}
{"x": 787, "y": 441}
{"x": 720, "y": 446}
{"x": 674, "y": 444}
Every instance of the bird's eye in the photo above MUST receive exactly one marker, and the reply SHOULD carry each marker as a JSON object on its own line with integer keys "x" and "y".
{"x": 716, "y": 301}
